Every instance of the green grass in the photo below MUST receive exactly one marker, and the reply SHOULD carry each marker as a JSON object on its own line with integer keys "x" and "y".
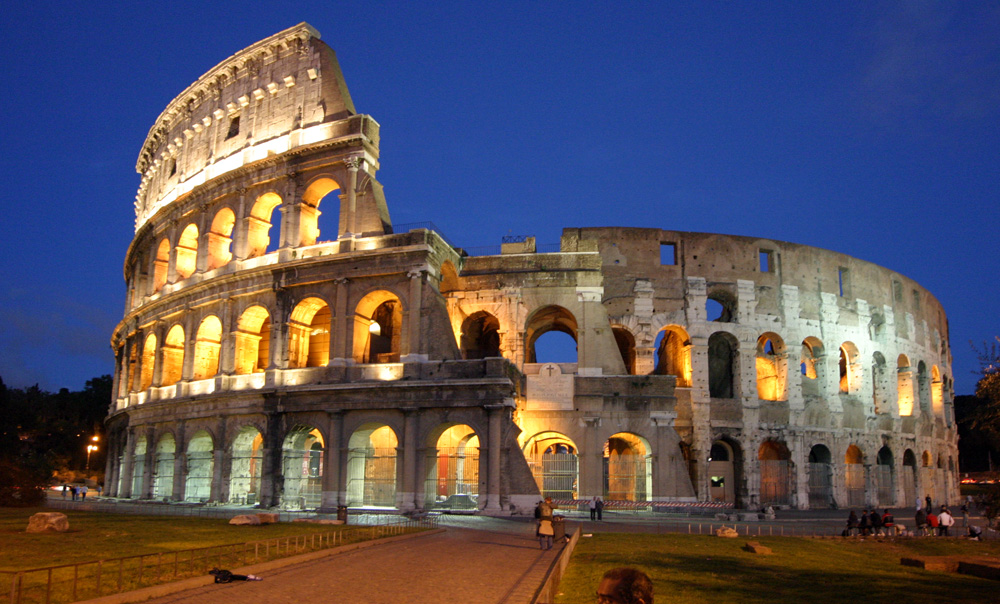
{"x": 689, "y": 569}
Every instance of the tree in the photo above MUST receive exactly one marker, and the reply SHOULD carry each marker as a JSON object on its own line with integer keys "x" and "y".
{"x": 986, "y": 416}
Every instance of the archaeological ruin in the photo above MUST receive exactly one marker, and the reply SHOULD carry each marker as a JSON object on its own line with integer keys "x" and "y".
{"x": 285, "y": 345}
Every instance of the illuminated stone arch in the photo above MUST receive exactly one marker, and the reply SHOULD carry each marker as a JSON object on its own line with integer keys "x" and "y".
{"x": 723, "y": 365}
{"x": 139, "y": 461}
{"x": 452, "y": 465}
{"x": 480, "y": 336}
{"x": 820, "y": 477}
{"x": 208, "y": 342}
{"x": 371, "y": 466}
{"x": 885, "y": 477}
{"x": 775, "y": 473}
{"x": 849, "y": 368}
{"x": 553, "y": 459}
{"x": 904, "y": 386}
{"x": 220, "y": 239}
{"x": 378, "y": 326}
{"x": 812, "y": 367}
{"x": 186, "y": 259}
{"x": 923, "y": 388}
{"x": 628, "y": 472}
{"x": 259, "y": 224}
{"x": 673, "y": 354}
{"x": 626, "y": 346}
{"x": 161, "y": 265}
{"x": 163, "y": 471}
{"x": 252, "y": 340}
{"x": 725, "y": 470}
{"x": 199, "y": 463}
{"x": 854, "y": 476}
{"x": 172, "y": 356}
{"x": 937, "y": 392}
{"x": 546, "y": 319}
{"x": 309, "y": 334}
{"x": 909, "y": 477}
{"x": 246, "y": 465}
{"x": 309, "y": 212}
{"x": 772, "y": 368}
{"x": 148, "y": 362}
{"x": 302, "y": 468}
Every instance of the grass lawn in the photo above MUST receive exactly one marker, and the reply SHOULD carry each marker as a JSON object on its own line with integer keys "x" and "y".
{"x": 96, "y": 536}
{"x": 689, "y": 569}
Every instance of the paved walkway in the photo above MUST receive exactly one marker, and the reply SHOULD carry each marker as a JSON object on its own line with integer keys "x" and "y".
{"x": 502, "y": 566}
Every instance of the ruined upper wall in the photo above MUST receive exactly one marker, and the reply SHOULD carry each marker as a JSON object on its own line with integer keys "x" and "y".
{"x": 281, "y": 93}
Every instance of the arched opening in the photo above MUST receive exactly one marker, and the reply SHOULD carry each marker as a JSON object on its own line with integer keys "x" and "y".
{"x": 909, "y": 477}
{"x": 309, "y": 213}
{"x": 302, "y": 468}
{"x": 723, "y": 466}
{"x": 884, "y": 477}
{"x": 163, "y": 476}
{"x": 848, "y": 367}
{"x": 220, "y": 239}
{"x": 148, "y": 362}
{"x": 720, "y": 306}
{"x": 452, "y": 480}
{"x": 771, "y": 367}
{"x": 207, "y": 344}
{"x": 673, "y": 354}
{"x": 309, "y": 334}
{"x": 187, "y": 252}
{"x": 879, "y": 395}
{"x": 554, "y": 463}
{"x": 628, "y": 472}
{"x": 371, "y": 467}
{"x": 161, "y": 265}
{"x": 480, "y": 336}
{"x": 923, "y": 388}
{"x": 722, "y": 368}
{"x": 626, "y": 348}
{"x": 554, "y": 349}
{"x": 198, "y": 482}
{"x": 246, "y": 465}
{"x": 854, "y": 476}
{"x": 253, "y": 341}
{"x": 775, "y": 473}
{"x": 259, "y": 240}
{"x": 820, "y": 478}
{"x": 937, "y": 392}
{"x": 904, "y": 385}
{"x": 811, "y": 366}
{"x": 378, "y": 326}
{"x": 173, "y": 356}
{"x": 138, "y": 467}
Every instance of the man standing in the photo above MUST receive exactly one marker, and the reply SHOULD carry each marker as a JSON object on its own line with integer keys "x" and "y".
{"x": 945, "y": 521}
{"x": 600, "y": 509}
{"x": 544, "y": 529}
{"x": 625, "y": 586}
{"x": 593, "y": 508}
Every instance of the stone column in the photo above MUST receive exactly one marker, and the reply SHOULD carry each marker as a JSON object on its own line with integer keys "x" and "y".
{"x": 493, "y": 458}
{"x": 591, "y": 479}
{"x": 272, "y": 479}
{"x": 180, "y": 463}
{"x": 111, "y": 466}
{"x": 350, "y": 222}
{"x": 405, "y": 496}
{"x": 411, "y": 344}
{"x": 332, "y": 488}
{"x": 218, "y": 462}
{"x": 150, "y": 465}
{"x": 343, "y": 320}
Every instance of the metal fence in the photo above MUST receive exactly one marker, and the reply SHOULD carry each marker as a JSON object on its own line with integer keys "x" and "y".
{"x": 85, "y": 580}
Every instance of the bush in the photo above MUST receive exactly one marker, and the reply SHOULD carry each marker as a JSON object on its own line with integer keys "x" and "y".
{"x": 22, "y": 485}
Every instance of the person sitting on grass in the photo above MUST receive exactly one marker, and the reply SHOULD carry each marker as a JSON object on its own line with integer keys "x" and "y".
{"x": 864, "y": 523}
{"x": 920, "y": 522}
{"x": 889, "y": 523}
{"x": 876, "y": 521}
{"x": 625, "y": 586}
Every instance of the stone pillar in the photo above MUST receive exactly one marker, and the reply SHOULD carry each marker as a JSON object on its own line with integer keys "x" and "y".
{"x": 411, "y": 344}
{"x": 332, "y": 488}
{"x": 591, "y": 479}
{"x": 218, "y": 462}
{"x": 493, "y": 459}
{"x": 150, "y": 465}
{"x": 125, "y": 477}
{"x": 405, "y": 496}
{"x": 272, "y": 480}
{"x": 180, "y": 463}
{"x": 350, "y": 222}
{"x": 343, "y": 321}
{"x": 111, "y": 466}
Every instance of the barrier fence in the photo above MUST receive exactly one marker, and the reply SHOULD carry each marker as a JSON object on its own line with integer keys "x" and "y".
{"x": 85, "y": 580}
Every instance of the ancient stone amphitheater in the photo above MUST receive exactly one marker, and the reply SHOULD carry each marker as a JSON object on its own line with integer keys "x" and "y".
{"x": 285, "y": 345}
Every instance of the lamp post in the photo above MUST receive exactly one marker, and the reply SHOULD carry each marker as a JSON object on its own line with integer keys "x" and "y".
{"x": 90, "y": 449}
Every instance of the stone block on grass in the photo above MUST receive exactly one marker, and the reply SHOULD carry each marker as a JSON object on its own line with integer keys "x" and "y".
{"x": 48, "y": 522}
{"x": 755, "y": 548}
{"x": 266, "y": 518}
{"x": 245, "y": 520}
{"x": 727, "y": 532}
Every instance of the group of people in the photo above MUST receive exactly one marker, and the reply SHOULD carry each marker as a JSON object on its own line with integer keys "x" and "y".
{"x": 77, "y": 492}
{"x": 870, "y": 523}
{"x": 927, "y": 523}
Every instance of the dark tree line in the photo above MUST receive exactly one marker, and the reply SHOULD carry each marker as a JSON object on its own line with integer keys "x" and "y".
{"x": 44, "y": 437}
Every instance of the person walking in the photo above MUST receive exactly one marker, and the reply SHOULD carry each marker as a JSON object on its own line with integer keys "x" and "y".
{"x": 73, "y": 492}
{"x": 65, "y": 490}
{"x": 965, "y": 515}
{"x": 593, "y": 508}
{"x": 852, "y": 524}
{"x": 83, "y": 492}
{"x": 889, "y": 523}
{"x": 544, "y": 529}
{"x": 927, "y": 500}
{"x": 920, "y": 522}
{"x": 932, "y": 523}
{"x": 945, "y": 522}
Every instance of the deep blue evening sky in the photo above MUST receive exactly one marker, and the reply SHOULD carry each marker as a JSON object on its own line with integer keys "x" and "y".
{"x": 869, "y": 128}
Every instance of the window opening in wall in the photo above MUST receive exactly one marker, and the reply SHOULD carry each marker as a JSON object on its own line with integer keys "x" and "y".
{"x": 320, "y": 199}
{"x": 916, "y": 300}
{"x": 844, "y": 384}
{"x": 897, "y": 291}
{"x": 668, "y": 254}
{"x": 766, "y": 265}
{"x": 171, "y": 167}
{"x": 843, "y": 281}
{"x": 720, "y": 307}
{"x": 234, "y": 127}
{"x": 555, "y": 347}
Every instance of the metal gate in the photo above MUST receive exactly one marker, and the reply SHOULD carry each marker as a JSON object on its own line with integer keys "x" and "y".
{"x": 457, "y": 471}
{"x": 625, "y": 477}
{"x": 909, "y": 485}
{"x": 775, "y": 485}
{"x": 555, "y": 474}
{"x": 138, "y": 468}
{"x": 854, "y": 479}
{"x": 820, "y": 485}
{"x": 378, "y": 484}
{"x": 886, "y": 494}
{"x": 163, "y": 482}
{"x": 198, "y": 482}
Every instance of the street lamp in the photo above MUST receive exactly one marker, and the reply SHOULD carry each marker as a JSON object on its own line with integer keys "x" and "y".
{"x": 90, "y": 449}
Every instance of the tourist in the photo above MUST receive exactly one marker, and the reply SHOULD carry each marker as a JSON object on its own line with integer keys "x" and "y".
{"x": 965, "y": 515}
{"x": 864, "y": 523}
{"x": 593, "y": 508}
{"x": 543, "y": 528}
{"x": 975, "y": 533}
{"x": 889, "y": 523}
{"x": 625, "y": 586}
{"x": 83, "y": 492}
{"x": 65, "y": 490}
{"x": 920, "y": 504}
{"x": 600, "y": 508}
{"x": 225, "y": 576}
{"x": 73, "y": 492}
{"x": 876, "y": 521}
{"x": 920, "y": 522}
{"x": 929, "y": 506}
{"x": 852, "y": 524}
{"x": 945, "y": 521}
{"x": 932, "y": 522}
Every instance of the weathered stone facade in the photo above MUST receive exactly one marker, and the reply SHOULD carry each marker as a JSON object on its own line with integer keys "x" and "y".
{"x": 263, "y": 360}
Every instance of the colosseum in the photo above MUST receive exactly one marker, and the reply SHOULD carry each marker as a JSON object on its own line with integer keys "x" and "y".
{"x": 284, "y": 345}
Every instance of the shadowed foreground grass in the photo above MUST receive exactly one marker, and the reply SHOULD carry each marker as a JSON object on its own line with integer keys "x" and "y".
{"x": 689, "y": 569}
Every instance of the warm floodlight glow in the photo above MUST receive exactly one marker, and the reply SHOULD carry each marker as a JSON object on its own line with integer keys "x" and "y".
{"x": 375, "y": 329}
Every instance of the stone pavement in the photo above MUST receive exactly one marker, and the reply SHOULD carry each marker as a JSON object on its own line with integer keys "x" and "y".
{"x": 457, "y": 565}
